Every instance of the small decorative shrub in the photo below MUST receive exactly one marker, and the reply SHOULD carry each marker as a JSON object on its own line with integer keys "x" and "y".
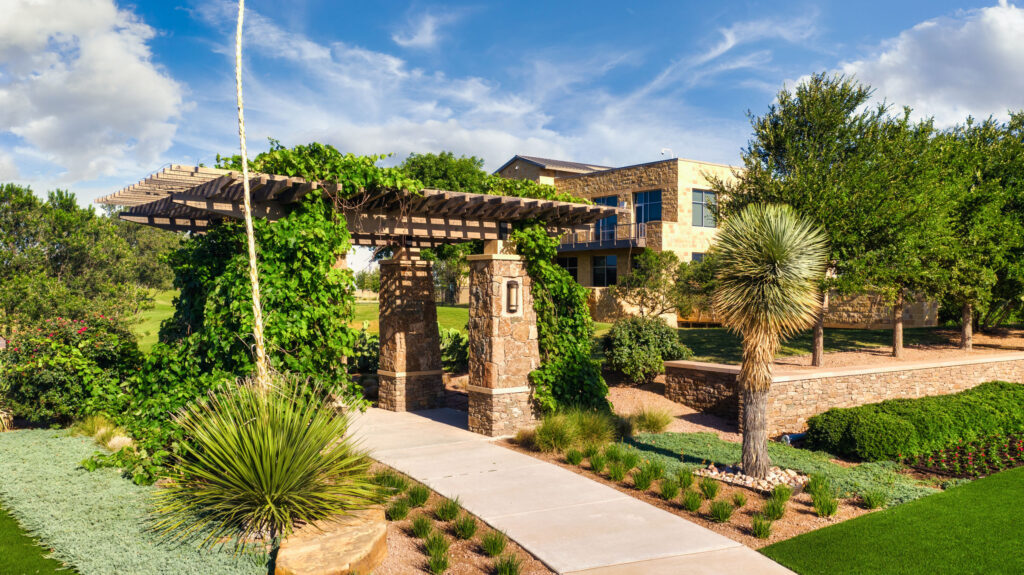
{"x": 685, "y": 477}
{"x": 614, "y": 452}
{"x": 761, "y": 527}
{"x": 422, "y": 526}
{"x": 574, "y": 456}
{"x": 454, "y": 350}
{"x": 691, "y": 501}
{"x": 398, "y": 509}
{"x": 669, "y": 489}
{"x": 774, "y": 509}
{"x": 597, "y": 463}
{"x": 820, "y": 485}
{"x": 590, "y": 450}
{"x": 875, "y": 499}
{"x": 639, "y": 346}
{"x": 465, "y": 526}
{"x": 651, "y": 420}
{"x": 390, "y": 482}
{"x": 448, "y": 509}
{"x": 508, "y": 564}
{"x": 642, "y": 479}
{"x": 436, "y": 544}
{"x": 493, "y": 543}
{"x": 555, "y": 433}
{"x": 630, "y": 459}
{"x": 825, "y": 504}
{"x": 739, "y": 499}
{"x": 709, "y": 488}
{"x": 438, "y": 564}
{"x": 417, "y": 495}
{"x": 616, "y": 471}
{"x": 782, "y": 493}
{"x": 721, "y": 511}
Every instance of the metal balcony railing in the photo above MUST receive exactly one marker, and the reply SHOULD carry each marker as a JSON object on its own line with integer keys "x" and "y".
{"x": 597, "y": 236}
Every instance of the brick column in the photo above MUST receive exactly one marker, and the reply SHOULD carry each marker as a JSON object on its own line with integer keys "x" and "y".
{"x": 502, "y": 344}
{"x": 410, "y": 349}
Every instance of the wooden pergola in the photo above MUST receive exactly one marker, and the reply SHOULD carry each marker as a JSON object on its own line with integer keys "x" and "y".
{"x": 186, "y": 198}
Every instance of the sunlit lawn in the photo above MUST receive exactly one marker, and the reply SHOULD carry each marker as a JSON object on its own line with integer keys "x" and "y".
{"x": 148, "y": 327}
{"x": 450, "y": 317}
{"x": 20, "y": 554}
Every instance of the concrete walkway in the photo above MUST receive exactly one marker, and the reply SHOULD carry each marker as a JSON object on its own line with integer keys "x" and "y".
{"x": 572, "y": 524}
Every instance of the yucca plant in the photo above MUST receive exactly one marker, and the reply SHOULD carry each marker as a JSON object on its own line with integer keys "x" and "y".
{"x": 770, "y": 264}
{"x": 261, "y": 459}
{"x": 6, "y": 420}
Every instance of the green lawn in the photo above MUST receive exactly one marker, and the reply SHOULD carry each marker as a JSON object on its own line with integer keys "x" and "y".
{"x": 717, "y": 345}
{"x": 974, "y": 528}
{"x": 148, "y": 327}
{"x": 449, "y": 317}
{"x": 19, "y": 554}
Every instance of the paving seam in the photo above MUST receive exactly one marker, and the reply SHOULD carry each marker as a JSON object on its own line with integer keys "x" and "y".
{"x": 694, "y": 554}
{"x": 560, "y": 507}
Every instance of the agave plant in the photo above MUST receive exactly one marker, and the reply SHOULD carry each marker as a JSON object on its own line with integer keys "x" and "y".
{"x": 770, "y": 262}
{"x": 260, "y": 460}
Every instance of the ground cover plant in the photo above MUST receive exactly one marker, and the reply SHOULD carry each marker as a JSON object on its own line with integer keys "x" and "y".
{"x": 102, "y": 526}
{"x": 900, "y": 428}
{"x": 972, "y": 528}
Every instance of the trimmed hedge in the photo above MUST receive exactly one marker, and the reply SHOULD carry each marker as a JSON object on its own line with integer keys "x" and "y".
{"x": 905, "y": 427}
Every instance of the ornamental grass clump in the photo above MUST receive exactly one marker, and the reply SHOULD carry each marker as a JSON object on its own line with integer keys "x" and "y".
{"x": 418, "y": 495}
{"x": 390, "y": 482}
{"x": 436, "y": 544}
{"x": 464, "y": 527}
{"x": 761, "y": 526}
{"x": 820, "y": 485}
{"x": 685, "y": 477}
{"x": 438, "y": 564}
{"x": 739, "y": 500}
{"x": 651, "y": 420}
{"x": 825, "y": 504}
{"x": 721, "y": 511}
{"x": 398, "y": 510}
{"x": 654, "y": 467}
{"x": 597, "y": 462}
{"x": 422, "y": 526}
{"x": 261, "y": 459}
{"x": 555, "y": 433}
{"x": 642, "y": 479}
{"x": 590, "y": 450}
{"x": 692, "y": 501}
{"x": 508, "y": 564}
{"x": 448, "y": 509}
{"x": 782, "y": 493}
{"x": 875, "y": 499}
{"x": 493, "y": 543}
{"x": 591, "y": 427}
{"x": 774, "y": 509}
{"x": 574, "y": 456}
{"x": 669, "y": 489}
{"x": 709, "y": 488}
{"x": 630, "y": 459}
{"x": 614, "y": 452}
{"x": 616, "y": 471}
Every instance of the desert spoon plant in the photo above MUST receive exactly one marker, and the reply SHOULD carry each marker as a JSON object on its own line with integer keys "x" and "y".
{"x": 770, "y": 264}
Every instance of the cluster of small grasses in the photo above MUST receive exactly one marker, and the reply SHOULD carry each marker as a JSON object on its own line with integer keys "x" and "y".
{"x": 823, "y": 496}
{"x": 651, "y": 420}
{"x": 104, "y": 432}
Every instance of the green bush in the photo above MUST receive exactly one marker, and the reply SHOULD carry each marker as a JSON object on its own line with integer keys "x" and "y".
{"x": 874, "y": 499}
{"x": 630, "y": 459}
{"x": 464, "y": 527}
{"x": 638, "y": 347}
{"x": 556, "y": 432}
{"x": 721, "y": 511}
{"x": 685, "y": 477}
{"x": 782, "y": 492}
{"x": 454, "y": 350}
{"x": 651, "y": 420}
{"x": 590, "y": 450}
{"x": 418, "y": 495}
{"x": 819, "y": 484}
{"x": 614, "y": 452}
{"x": 392, "y": 483}
{"x": 592, "y": 427}
{"x": 669, "y": 489}
{"x": 398, "y": 510}
{"x": 448, "y": 509}
{"x": 825, "y": 504}
{"x": 907, "y": 427}
{"x": 709, "y": 488}
{"x": 574, "y": 457}
{"x": 761, "y": 526}
{"x": 438, "y": 564}
{"x": 436, "y": 544}
{"x": 692, "y": 501}
{"x": 493, "y": 543}
{"x": 642, "y": 479}
{"x": 365, "y": 356}
{"x": 616, "y": 471}
{"x": 508, "y": 565}
{"x": 597, "y": 462}
{"x": 654, "y": 468}
{"x": 422, "y": 526}
{"x": 774, "y": 509}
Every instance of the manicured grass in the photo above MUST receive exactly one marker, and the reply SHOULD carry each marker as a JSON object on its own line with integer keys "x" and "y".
{"x": 699, "y": 449}
{"x": 148, "y": 327}
{"x": 448, "y": 317}
{"x": 717, "y": 345}
{"x": 96, "y": 521}
{"x": 973, "y": 528}
{"x": 20, "y": 554}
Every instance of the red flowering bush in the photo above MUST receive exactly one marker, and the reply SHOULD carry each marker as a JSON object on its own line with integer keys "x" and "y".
{"x": 64, "y": 368}
{"x": 977, "y": 458}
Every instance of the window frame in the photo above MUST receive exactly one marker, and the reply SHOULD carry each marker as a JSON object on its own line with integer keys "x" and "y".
{"x": 605, "y": 269}
{"x": 641, "y": 207}
{"x": 570, "y": 264}
{"x": 700, "y": 210}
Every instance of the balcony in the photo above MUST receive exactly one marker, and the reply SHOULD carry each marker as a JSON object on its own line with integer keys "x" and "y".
{"x": 598, "y": 236}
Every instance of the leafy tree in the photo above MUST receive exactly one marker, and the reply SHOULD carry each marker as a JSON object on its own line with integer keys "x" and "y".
{"x": 651, "y": 285}
{"x": 695, "y": 283}
{"x": 451, "y": 268}
{"x": 368, "y": 280}
{"x": 815, "y": 150}
{"x": 446, "y": 172}
{"x": 770, "y": 266}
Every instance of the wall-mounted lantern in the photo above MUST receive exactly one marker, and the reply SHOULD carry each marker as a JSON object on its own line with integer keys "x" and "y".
{"x": 513, "y": 296}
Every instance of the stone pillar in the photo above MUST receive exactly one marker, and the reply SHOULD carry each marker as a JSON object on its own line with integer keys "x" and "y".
{"x": 502, "y": 344}
{"x": 410, "y": 371}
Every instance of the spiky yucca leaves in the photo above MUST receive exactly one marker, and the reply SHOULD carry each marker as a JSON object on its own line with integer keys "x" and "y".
{"x": 6, "y": 421}
{"x": 261, "y": 459}
{"x": 770, "y": 263}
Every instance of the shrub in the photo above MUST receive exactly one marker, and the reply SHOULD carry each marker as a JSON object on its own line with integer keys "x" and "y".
{"x": 825, "y": 504}
{"x": 774, "y": 509}
{"x": 761, "y": 526}
{"x": 639, "y": 346}
{"x": 592, "y": 427}
{"x": 597, "y": 463}
{"x": 642, "y": 479}
{"x": 721, "y": 511}
{"x": 418, "y": 495}
{"x": 709, "y": 488}
{"x": 616, "y": 471}
{"x": 508, "y": 565}
{"x": 874, "y": 499}
{"x": 454, "y": 350}
{"x": 448, "y": 509}
{"x": 685, "y": 477}
{"x": 221, "y": 485}
{"x": 614, "y": 452}
{"x": 436, "y": 544}
{"x": 574, "y": 457}
{"x": 398, "y": 510}
{"x": 818, "y": 484}
{"x": 691, "y": 501}
{"x": 654, "y": 468}
{"x": 438, "y": 564}
{"x": 464, "y": 527}
{"x": 739, "y": 499}
{"x": 493, "y": 543}
{"x": 782, "y": 492}
{"x": 590, "y": 450}
{"x": 881, "y": 436}
{"x": 630, "y": 459}
{"x": 422, "y": 526}
{"x": 526, "y": 438}
{"x": 669, "y": 489}
{"x": 651, "y": 420}
{"x": 555, "y": 433}
{"x": 365, "y": 356}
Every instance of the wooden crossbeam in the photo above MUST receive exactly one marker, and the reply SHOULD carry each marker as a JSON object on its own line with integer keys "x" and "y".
{"x": 236, "y": 210}
{"x": 171, "y": 224}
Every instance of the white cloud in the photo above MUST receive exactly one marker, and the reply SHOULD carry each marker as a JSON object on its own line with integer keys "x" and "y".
{"x": 8, "y": 169}
{"x": 422, "y": 31}
{"x": 952, "y": 67}
{"x": 80, "y": 88}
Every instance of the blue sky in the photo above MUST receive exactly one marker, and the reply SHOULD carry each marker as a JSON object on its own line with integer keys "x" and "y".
{"x": 95, "y": 94}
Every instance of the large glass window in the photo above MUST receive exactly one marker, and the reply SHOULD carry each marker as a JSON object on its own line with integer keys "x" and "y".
{"x": 571, "y": 265}
{"x": 697, "y": 257}
{"x": 605, "y": 270}
{"x": 703, "y": 208}
{"x": 606, "y": 226}
{"x": 647, "y": 206}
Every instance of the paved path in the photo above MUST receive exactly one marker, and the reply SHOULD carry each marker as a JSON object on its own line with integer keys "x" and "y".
{"x": 572, "y": 524}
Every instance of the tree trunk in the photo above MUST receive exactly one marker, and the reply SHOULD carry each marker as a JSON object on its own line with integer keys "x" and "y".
{"x": 262, "y": 370}
{"x": 967, "y": 328}
{"x": 756, "y": 462}
{"x": 897, "y": 326}
{"x": 818, "y": 352}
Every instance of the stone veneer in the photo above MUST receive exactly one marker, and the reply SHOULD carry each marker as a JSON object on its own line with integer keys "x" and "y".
{"x": 410, "y": 371}
{"x": 797, "y": 395}
{"x": 502, "y": 348}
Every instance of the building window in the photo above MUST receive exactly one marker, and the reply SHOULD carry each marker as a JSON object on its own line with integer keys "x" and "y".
{"x": 606, "y": 226}
{"x": 570, "y": 265}
{"x": 697, "y": 257}
{"x": 605, "y": 270}
{"x": 703, "y": 208}
{"x": 647, "y": 206}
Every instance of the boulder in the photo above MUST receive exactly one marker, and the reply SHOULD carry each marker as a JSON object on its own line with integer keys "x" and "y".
{"x": 355, "y": 543}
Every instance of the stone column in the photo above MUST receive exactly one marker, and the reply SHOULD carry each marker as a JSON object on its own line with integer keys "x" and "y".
{"x": 502, "y": 343}
{"x": 410, "y": 371}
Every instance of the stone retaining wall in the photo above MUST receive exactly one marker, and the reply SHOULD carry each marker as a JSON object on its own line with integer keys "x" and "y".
{"x": 796, "y": 396}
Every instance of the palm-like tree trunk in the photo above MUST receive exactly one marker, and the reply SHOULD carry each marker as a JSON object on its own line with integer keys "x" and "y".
{"x": 755, "y": 382}
{"x": 254, "y": 276}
